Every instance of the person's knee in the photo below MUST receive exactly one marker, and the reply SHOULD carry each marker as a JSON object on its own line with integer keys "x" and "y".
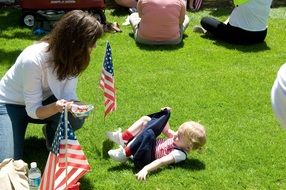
{"x": 145, "y": 120}
{"x": 6, "y": 151}
{"x": 77, "y": 124}
{"x": 149, "y": 135}
{"x": 204, "y": 20}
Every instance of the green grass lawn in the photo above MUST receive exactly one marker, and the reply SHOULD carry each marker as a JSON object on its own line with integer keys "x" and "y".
{"x": 225, "y": 87}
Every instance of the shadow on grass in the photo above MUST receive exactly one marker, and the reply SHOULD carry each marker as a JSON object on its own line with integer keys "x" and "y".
{"x": 24, "y": 34}
{"x": 278, "y": 3}
{"x": 243, "y": 48}
{"x": 9, "y": 17}
{"x": 106, "y": 146}
{"x": 8, "y": 58}
{"x": 119, "y": 11}
{"x": 188, "y": 164}
{"x": 159, "y": 47}
{"x": 122, "y": 166}
{"x": 85, "y": 183}
{"x": 36, "y": 151}
{"x": 191, "y": 164}
{"x": 10, "y": 20}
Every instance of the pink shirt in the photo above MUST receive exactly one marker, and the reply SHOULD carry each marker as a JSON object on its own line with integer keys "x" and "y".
{"x": 160, "y": 19}
{"x": 166, "y": 146}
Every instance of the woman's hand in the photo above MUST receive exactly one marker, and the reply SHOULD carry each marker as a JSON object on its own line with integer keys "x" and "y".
{"x": 60, "y": 105}
{"x": 46, "y": 111}
{"x": 141, "y": 175}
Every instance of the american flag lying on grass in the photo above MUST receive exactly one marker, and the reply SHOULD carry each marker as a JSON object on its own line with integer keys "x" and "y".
{"x": 107, "y": 82}
{"x": 67, "y": 162}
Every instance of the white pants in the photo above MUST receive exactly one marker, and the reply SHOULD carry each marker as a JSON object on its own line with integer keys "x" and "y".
{"x": 278, "y": 96}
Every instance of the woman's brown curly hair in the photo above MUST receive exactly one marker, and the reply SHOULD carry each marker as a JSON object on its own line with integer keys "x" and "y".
{"x": 70, "y": 42}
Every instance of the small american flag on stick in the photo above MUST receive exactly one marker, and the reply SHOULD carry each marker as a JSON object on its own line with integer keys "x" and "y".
{"x": 66, "y": 162}
{"x": 107, "y": 82}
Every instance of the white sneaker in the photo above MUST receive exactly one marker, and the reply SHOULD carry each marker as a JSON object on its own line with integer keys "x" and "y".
{"x": 126, "y": 22}
{"x": 199, "y": 29}
{"x": 116, "y": 137}
{"x": 118, "y": 155}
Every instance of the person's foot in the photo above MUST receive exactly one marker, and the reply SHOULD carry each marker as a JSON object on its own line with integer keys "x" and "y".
{"x": 44, "y": 130}
{"x": 118, "y": 155}
{"x": 116, "y": 137}
{"x": 199, "y": 29}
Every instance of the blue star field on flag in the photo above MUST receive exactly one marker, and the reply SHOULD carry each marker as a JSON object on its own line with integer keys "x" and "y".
{"x": 108, "y": 60}
{"x": 66, "y": 163}
{"x": 60, "y": 135}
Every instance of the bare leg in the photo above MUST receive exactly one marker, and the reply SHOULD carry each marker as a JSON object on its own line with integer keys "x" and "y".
{"x": 139, "y": 125}
{"x": 130, "y": 133}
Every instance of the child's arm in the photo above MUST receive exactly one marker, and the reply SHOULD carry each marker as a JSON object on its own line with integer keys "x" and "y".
{"x": 167, "y": 131}
{"x": 165, "y": 160}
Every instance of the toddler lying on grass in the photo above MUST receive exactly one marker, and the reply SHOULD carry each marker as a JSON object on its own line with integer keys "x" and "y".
{"x": 148, "y": 152}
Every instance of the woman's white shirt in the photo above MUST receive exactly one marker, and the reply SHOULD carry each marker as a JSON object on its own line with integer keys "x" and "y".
{"x": 32, "y": 79}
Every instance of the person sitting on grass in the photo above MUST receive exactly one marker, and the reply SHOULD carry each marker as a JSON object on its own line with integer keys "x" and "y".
{"x": 246, "y": 25}
{"x": 148, "y": 152}
{"x": 159, "y": 22}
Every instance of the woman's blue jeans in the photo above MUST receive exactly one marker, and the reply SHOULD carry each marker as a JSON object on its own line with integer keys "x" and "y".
{"x": 13, "y": 124}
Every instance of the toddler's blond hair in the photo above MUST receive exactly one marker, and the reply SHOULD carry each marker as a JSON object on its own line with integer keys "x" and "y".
{"x": 195, "y": 133}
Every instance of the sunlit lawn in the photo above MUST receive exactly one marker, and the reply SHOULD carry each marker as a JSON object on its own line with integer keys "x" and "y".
{"x": 225, "y": 87}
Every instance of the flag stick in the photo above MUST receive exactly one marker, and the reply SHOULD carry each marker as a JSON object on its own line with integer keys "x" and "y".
{"x": 66, "y": 140}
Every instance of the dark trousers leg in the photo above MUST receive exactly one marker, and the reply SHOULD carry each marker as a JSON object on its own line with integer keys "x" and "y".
{"x": 143, "y": 146}
{"x": 158, "y": 121}
{"x": 156, "y": 124}
{"x": 232, "y": 34}
{"x": 53, "y": 121}
{"x": 144, "y": 149}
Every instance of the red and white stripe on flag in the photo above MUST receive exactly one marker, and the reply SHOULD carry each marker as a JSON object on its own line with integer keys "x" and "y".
{"x": 107, "y": 82}
{"x": 65, "y": 168}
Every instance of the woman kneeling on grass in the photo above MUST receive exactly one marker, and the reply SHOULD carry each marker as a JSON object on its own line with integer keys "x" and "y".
{"x": 148, "y": 153}
{"x": 43, "y": 80}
